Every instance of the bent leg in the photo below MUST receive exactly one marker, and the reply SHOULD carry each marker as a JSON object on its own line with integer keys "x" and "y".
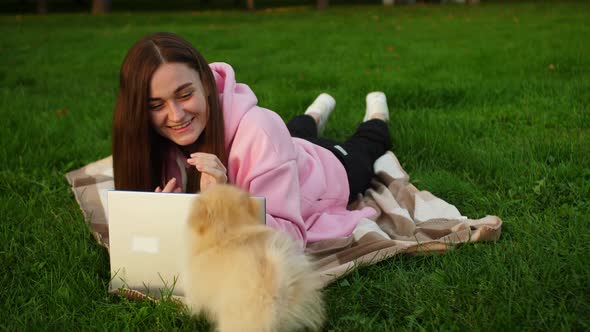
{"x": 303, "y": 126}
{"x": 358, "y": 154}
{"x": 369, "y": 142}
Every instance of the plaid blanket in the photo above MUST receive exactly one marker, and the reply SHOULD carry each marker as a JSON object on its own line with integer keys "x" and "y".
{"x": 408, "y": 220}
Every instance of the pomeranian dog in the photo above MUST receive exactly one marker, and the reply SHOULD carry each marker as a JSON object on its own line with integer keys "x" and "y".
{"x": 243, "y": 275}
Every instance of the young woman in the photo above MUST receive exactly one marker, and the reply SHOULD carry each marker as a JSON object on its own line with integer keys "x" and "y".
{"x": 181, "y": 125}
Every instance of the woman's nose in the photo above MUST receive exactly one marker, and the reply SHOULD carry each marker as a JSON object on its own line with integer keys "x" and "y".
{"x": 175, "y": 111}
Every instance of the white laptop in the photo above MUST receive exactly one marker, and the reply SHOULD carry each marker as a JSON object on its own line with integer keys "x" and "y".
{"x": 146, "y": 239}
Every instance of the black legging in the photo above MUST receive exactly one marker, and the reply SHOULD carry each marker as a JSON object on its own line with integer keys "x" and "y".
{"x": 358, "y": 153}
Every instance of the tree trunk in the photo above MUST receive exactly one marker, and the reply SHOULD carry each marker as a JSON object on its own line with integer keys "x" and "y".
{"x": 42, "y": 7}
{"x": 101, "y": 6}
{"x": 322, "y": 4}
{"x": 250, "y": 4}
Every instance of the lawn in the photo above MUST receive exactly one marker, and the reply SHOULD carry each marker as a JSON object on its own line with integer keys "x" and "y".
{"x": 490, "y": 111}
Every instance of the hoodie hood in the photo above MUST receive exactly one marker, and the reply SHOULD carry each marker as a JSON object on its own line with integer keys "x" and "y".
{"x": 236, "y": 99}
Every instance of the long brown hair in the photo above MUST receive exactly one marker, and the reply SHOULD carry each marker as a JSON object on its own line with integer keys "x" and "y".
{"x": 139, "y": 153}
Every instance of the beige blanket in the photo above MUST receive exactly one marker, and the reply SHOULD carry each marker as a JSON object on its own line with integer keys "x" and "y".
{"x": 409, "y": 220}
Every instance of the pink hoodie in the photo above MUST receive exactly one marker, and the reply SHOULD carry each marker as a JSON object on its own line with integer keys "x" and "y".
{"x": 305, "y": 185}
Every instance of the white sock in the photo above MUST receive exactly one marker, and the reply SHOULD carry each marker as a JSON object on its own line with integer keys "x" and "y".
{"x": 376, "y": 104}
{"x": 322, "y": 106}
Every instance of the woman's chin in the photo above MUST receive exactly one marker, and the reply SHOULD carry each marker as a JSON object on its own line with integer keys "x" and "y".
{"x": 184, "y": 140}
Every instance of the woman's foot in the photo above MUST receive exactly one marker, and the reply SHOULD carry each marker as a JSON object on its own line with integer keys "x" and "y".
{"x": 320, "y": 110}
{"x": 376, "y": 107}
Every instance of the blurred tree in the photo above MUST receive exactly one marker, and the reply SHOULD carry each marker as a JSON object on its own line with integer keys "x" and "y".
{"x": 322, "y": 4}
{"x": 105, "y": 6}
{"x": 101, "y": 6}
{"x": 250, "y": 4}
{"x": 42, "y": 6}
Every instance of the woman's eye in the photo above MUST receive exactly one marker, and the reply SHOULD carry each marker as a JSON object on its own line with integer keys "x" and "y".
{"x": 155, "y": 107}
{"x": 185, "y": 95}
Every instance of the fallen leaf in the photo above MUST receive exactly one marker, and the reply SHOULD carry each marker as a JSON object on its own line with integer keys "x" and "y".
{"x": 61, "y": 113}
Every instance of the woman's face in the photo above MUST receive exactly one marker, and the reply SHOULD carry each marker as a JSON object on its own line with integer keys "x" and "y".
{"x": 178, "y": 106}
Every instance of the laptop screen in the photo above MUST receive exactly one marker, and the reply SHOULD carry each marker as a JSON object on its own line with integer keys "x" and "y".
{"x": 146, "y": 234}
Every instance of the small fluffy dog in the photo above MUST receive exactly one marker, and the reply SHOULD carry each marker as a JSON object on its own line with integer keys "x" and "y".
{"x": 244, "y": 275}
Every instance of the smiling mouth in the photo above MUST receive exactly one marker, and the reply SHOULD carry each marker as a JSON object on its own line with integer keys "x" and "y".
{"x": 182, "y": 125}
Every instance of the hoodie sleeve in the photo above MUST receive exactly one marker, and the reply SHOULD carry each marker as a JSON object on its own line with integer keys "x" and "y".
{"x": 263, "y": 161}
{"x": 280, "y": 190}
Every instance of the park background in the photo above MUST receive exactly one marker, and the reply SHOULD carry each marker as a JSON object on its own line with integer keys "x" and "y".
{"x": 489, "y": 111}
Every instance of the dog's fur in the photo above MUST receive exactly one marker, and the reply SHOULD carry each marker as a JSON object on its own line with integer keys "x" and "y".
{"x": 246, "y": 276}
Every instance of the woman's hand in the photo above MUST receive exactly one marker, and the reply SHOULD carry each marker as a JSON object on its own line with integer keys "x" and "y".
{"x": 170, "y": 187}
{"x": 211, "y": 168}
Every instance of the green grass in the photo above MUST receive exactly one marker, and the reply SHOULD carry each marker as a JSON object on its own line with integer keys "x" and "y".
{"x": 478, "y": 118}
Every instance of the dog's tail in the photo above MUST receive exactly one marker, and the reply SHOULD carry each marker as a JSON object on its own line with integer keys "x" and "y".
{"x": 302, "y": 301}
